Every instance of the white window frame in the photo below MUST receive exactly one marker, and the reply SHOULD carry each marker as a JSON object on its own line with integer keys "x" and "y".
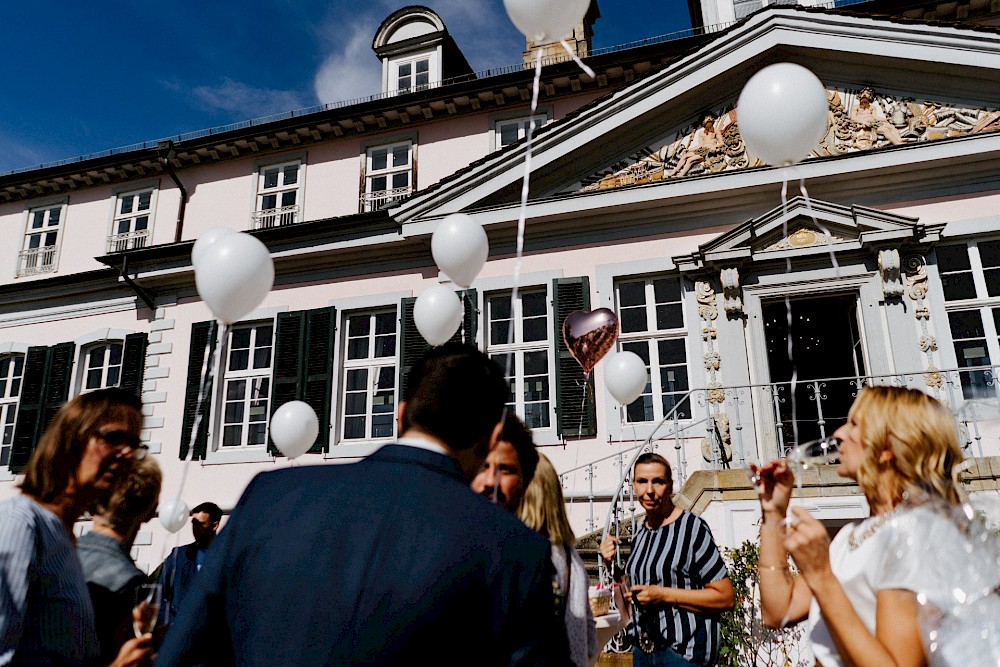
{"x": 9, "y": 401}
{"x": 372, "y": 365}
{"x": 433, "y": 58}
{"x": 41, "y": 259}
{"x": 104, "y": 368}
{"x": 520, "y": 347}
{"x": 280, "y": 214}
{"x": 132, "y": 238}
{"x": 652, "y": 336}
{"x": 373, "y": 199}
{"x": 543, "y": 116}
{"x": 981, "y": 302}
{"x": 249, "y": 375}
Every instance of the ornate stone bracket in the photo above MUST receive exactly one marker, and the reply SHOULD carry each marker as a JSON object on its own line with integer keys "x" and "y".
{"x": 916, "y": 288}
{"x": 889, "y": 267}
{"x": 731, "y": 293}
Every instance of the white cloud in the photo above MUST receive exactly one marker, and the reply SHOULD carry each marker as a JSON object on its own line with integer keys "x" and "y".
{"x": 245, "y": 101}
{"x": 352, "y": 70}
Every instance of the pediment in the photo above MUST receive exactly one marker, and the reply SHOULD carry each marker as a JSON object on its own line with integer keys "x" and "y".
{"x": 803, "y": 228}
{"x": 890, "y": 85}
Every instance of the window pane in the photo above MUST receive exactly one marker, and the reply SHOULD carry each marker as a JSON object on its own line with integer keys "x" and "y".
{"x": 291, "y": 173}
{"x": 354, "y": 428}
{"x": 667, "y": 289}
{"x": 126, "y": 206}
{"x": 116, "y": 353}
{"x": 256, "y": 434}
{"x": 640, "y": 348}
{"x": 673, "y": 379}
{"x": 355, "y": 404}
{"x": 992, "y": 277}
{"x": 958, "y": 286}
{"x": 499, "y": 307}
{"x": 632, "y": 294}
{"x": 535, "y": 328}
{"x": 54, "y": 214}
{"x": 270, "y": 178}
{"x": 672, "y": 351}
{"x": 357, "y": 348}
{"x": 508, "y": 134}
{"x": 379, "y": 184}
{"x": 382, "y": 426}
{"x": 405, "y": 69}
{"x": 533, "y": 304}
{"x": 952, "y": 257}
{"x": 288, "y": 198}
{"x": 400, "y": 155}
{"x": 380, "y": 158}
{"x": 669, "y": 316}
{"x": 236, "y": 390}
{"x": 262, "y": 357}
{"x": 359, "y": 326}
{"x": 385, "y": 346}
{"x": 231, "y": 436}
{"x": 499, "y": 332}
{"x": 94, "y": 379}
{"x": 536, "y": 363}
{"x": 114, "y": 374}
{"x": 640, "y": 410}
{"x": 144, "y": 199}
{"x": 536, "y": 415}
{"x": 632, "y": 319}
{"x": 401, "y": 180}
{"x": 142, "y": 222}
{"x": 423, "y": 66}
{"x": 385, "y": 323}
{"x": 357, "y": 379}
{"x": 966, "y": 324}
{"x": 386, "y": 378}
{"x": 239, "y": 360}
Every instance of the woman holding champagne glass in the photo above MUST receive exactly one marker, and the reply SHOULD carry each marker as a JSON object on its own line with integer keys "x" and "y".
{"x": 46, "y": 616}
{"x": 860, "y": 592}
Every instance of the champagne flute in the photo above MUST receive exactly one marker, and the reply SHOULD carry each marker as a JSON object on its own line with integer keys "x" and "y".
{"x": 810, "y": 454}
{"x": 146, "y": 609}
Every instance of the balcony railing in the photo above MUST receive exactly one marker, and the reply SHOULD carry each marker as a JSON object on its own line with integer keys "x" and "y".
{"x": 275, "y": 217}
{"x": 36, "y": 260}
{"x": 128, "y": 241}
{"x": 373, "y": 201}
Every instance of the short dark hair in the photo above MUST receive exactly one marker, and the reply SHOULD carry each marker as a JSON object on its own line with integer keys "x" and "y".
{"x": 455, "y": 393}
{"x": 211, "y": 509}
{"x": 653, "y": 457}
{"x": 519, "y": 436}
{"x": 61, "y": 447}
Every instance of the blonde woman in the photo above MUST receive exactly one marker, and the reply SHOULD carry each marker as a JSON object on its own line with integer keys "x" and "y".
{"x": 859, "y": 593}
{"x": 544, "y": 511}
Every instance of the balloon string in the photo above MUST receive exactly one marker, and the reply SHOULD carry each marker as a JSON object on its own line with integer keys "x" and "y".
{"x": 788, "y": 318}
{"x": 826, "y": 232}
{"x": 577, "y": 60}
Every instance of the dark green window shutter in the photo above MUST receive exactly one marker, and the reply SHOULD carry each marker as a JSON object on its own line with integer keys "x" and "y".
{"x": 288, "y": 359}
{"x": 58, "y": 382}
{"x": 203, "y": 334}
{"x": 576, "y": 410}
{"x": 29, "y": 409}
{"x": 303, "y": 366}
{"x": 412, "y": 345}
{"x": 134, "y": 362}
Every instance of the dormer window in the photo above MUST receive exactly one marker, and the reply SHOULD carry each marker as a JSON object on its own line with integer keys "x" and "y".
{"x": 416, "y": 51}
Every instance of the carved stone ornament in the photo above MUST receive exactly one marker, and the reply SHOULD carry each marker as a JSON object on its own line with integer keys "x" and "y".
{"x": 928, "y": 344}
{"x": 803, "y": 237}
{"x": 889, "y": 267}
{"x": 708, "y": 333}
{"x": 861, "y": 119}
{"x": 731, "y": 293}
{"x": 721, "y": 421}
{"x": 716, "y": 394}
{"x": 705, "y": 295}
{"x": 932, "y": 377}
{"x": 713, "y": 361}
{"x": 916, "y": 277}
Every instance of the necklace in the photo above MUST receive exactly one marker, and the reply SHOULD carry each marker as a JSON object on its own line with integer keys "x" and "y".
{"x": 857, "y": 537}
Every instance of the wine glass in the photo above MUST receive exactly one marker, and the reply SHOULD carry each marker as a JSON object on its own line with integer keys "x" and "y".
{"x": 810, "y": 454}
{"x": 147, "y": 608}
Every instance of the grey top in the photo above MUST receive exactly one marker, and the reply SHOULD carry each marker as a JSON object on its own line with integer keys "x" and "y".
{"x": 45, "y": 613}
{"x": 106, "y": 562}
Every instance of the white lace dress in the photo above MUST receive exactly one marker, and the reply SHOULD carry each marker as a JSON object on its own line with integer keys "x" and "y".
{"x": 580, "y": 628}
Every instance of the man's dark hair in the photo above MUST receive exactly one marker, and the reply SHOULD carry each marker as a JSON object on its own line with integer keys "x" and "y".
{"x": 211, "y": 509}
{"x": 653, "y": 457}
{"x": 455, "y": 393}
{"x": 519, "y": 436}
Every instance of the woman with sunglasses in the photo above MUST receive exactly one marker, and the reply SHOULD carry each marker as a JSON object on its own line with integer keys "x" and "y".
{"x": 46, "y": 617}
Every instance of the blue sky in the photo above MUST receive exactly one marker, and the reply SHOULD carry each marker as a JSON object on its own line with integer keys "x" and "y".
{"x": 81, "y": 77}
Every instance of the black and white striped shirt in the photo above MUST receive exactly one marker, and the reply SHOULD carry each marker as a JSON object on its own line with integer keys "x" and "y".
{"x": 46, "y": 617}
{"x": 679, "y": 554}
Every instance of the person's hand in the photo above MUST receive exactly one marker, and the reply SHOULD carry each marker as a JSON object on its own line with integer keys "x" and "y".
{"x": 774, "y": 482}
{"x": 648, "y": 594}
{"x": 808, "y": 542}
{"x": 608, "y": 547}
{"x": 135, "y": 653}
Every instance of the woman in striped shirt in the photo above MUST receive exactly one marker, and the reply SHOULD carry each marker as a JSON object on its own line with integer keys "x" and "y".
{"x": 46, "y": 616}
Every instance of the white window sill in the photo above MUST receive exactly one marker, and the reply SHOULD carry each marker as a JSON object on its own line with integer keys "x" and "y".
{"x": 238, "y": 455}
{"x": 355, "y": 450}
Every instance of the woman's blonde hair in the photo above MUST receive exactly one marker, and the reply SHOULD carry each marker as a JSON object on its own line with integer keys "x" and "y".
{"x": 920, "y": 432}
{"x": 133, "y": 499}
{"x": 543, "y": 508}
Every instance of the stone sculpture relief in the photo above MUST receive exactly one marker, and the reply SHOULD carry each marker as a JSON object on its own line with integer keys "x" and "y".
{"x": 860, "y": 120}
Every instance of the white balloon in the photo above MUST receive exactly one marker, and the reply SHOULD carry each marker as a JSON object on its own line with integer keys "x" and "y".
{"x": 174, "y": 514}
{"x": 782, "y": 113}
{"x": 546, "y": 20}
{"x": 233, "y": 275}
{"x": 625, "y": 376}
{"x": 205, "y": 240}
{"x": 437, "y": 314}
{"x": 460, "y": 248}
{"x": 294, "y": 427}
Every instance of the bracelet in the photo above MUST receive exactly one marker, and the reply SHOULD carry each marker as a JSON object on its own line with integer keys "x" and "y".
{"x": 772, "y": 568}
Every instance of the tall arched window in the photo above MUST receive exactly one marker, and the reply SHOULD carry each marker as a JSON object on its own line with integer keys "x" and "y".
{"x": 11, "y": 372}
{"x": 102, "y": 365}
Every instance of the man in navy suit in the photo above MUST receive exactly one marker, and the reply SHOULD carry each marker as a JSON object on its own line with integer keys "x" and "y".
{"x": 178, "y": 570}
{"x": 389, "y": 561}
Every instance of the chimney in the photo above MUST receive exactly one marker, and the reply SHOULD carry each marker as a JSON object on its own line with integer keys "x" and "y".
{"x": 580, "y": 40}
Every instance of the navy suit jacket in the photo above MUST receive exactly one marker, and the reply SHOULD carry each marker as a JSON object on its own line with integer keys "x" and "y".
{"x": 176, "y": 575}
{"x": 391, "y": 560}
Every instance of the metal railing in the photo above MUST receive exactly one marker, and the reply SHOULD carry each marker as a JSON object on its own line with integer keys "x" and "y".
{"x": 373, "y": 201}
{"x": 274, "y": 217}
{"x": 128, "y": 241}
{"x": 724, "y": 414}
{"x": 36, "y": 260}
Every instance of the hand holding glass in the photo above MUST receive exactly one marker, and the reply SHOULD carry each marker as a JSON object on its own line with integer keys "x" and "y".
{"x": 146, "y": 609}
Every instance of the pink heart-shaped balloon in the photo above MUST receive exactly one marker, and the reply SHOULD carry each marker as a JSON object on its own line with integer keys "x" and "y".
{"x": 589, "y": 336}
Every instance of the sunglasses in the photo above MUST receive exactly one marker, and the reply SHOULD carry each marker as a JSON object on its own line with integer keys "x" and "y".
{"x": 122, "y": 440}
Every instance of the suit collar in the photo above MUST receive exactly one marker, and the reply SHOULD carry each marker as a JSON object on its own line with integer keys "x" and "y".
{"x": 422, "y": 457}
